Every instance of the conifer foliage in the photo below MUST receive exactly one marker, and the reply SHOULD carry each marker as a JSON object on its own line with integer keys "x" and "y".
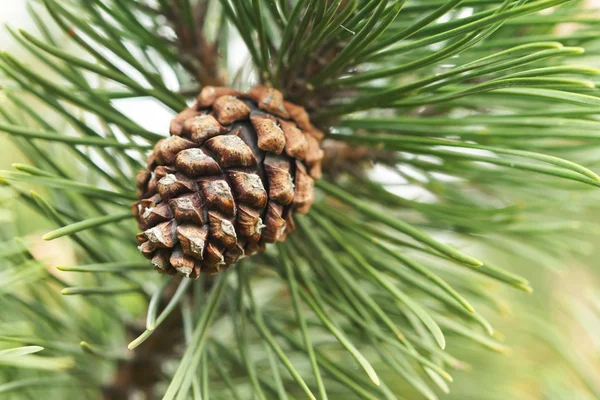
{"x": 460, "y": 141}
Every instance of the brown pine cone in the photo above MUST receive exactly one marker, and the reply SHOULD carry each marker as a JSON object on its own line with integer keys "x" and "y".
{"x": 227, "y": 181}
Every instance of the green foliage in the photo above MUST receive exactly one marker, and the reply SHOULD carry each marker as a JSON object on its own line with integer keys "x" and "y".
{"x": 482, "y": 120}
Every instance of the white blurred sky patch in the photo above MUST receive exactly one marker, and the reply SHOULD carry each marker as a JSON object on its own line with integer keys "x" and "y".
{"x": 13, "y": 13}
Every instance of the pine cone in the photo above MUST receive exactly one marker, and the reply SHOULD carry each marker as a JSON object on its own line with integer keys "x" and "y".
{"x": 227, "y": 181}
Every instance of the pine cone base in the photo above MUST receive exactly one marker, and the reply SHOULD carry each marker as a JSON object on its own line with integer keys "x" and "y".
{"x": 227, "y": 181}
